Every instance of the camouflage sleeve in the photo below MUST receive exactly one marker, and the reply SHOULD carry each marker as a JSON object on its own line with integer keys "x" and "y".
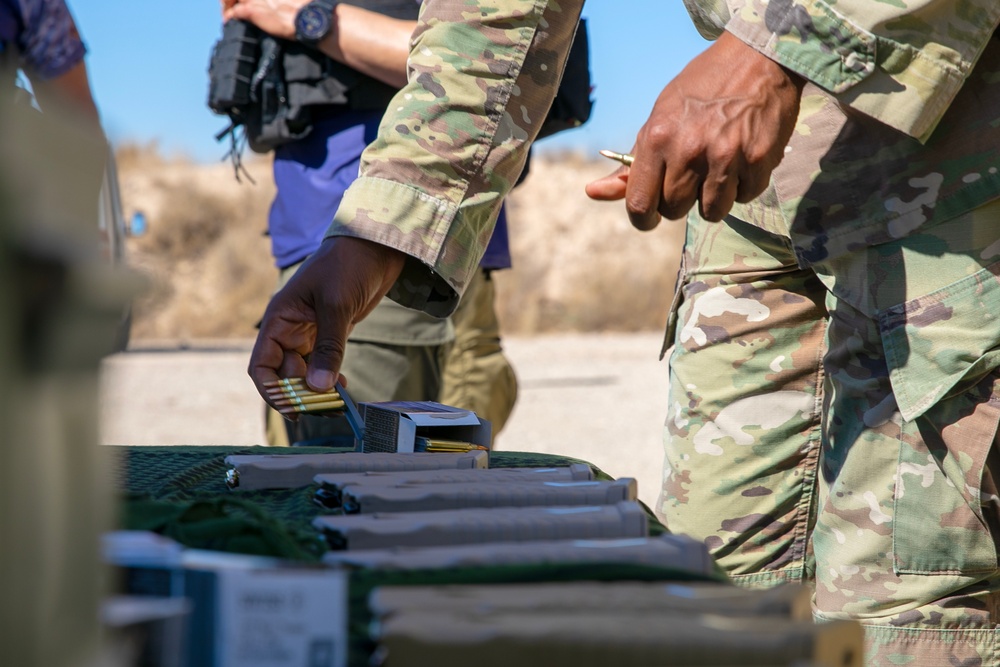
{"x": 482, "y": 76}
{"x": 900, "y": 62}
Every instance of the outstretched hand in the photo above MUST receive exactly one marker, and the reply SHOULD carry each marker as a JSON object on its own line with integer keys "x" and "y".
{"x": 306, "y": 324}
{"x": 714, "y": 136}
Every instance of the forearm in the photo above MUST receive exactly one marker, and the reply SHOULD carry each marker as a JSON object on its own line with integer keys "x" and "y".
{"x": 454, "y": 140}
{"x": 901, "y": 63}
{"x": 371, "y": 43}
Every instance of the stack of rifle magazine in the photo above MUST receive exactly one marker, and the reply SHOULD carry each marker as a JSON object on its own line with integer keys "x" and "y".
{"x": 447, "y": 509}
{"x": 473, "y": 526}
{"x": 680, "y": 553}
{"x": 614, "y": 623}
{"x": 333, "y": 486}
{"x": 442, "y": 507}
{"x": 435, "y": 497}
{"x": 284, "y": 471}
{"x": 466, "y": 489}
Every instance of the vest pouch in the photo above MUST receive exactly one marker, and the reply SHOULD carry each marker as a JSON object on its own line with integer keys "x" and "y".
{"x": 269, "y": 123}
{"x": 313, "y": 84}
{"x": 231, "y": 67}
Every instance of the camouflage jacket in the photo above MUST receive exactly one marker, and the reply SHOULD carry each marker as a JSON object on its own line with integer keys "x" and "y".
{"x": 899, "y": 127}
{"x": 482, "y": 76}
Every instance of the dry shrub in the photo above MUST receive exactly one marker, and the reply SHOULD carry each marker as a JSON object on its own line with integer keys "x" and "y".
{"x": 205, "y": 251}
{"x": 188, "y": 226}
{"x": 578, "y": 265}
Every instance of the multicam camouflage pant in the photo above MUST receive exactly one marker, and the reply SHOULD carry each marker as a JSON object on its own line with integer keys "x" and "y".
{"x": 477, "y": 375}
{"x": 836, "y": 425}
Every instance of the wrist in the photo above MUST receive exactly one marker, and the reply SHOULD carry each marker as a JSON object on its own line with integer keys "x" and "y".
{"x": 745, "y": 54}
{"x": 314, "y": 22}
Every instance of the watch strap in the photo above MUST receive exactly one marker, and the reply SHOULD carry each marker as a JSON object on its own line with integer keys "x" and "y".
{"x": 325, "y": 6}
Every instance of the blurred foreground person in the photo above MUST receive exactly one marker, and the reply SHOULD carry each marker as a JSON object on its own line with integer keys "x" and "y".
{"x": 59, "y": 310}
{"x": 835, "y": 374}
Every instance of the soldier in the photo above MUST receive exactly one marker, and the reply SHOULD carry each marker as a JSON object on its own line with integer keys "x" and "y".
{"x": 396, "y": 353}
{"x": 833, "y": 382}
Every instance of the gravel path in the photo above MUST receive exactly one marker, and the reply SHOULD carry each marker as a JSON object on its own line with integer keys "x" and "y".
{"x": 601, "y": 398}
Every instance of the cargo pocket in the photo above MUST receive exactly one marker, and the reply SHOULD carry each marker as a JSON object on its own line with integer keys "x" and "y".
{"x": 943, "y": 351}
{"x": 670, "y": 334}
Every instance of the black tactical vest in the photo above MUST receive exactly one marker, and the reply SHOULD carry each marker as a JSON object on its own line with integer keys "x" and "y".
{"x": 276, "y": 89}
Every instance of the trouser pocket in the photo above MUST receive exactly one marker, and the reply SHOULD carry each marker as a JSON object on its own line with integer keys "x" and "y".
{"x": 943, "y": 352}
{"x": 675, "y": 303}
{"x": 945, "y": 497}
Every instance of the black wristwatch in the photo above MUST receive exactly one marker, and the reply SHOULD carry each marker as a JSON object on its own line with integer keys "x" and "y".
{"x": 314, "y": 22}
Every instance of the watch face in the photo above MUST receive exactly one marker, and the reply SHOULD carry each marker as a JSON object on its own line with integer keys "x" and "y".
{"x": 312, "y": 23}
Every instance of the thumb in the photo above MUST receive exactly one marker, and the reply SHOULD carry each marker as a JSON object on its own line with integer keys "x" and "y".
{"x": 609, "y": 188}
{"x": 327, "y": 354}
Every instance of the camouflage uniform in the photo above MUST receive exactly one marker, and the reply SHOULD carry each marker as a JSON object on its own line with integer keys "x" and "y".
{"x": 454, "y": 140}
{"x": 834, "y": 393}
{"x": 477, "y": 374}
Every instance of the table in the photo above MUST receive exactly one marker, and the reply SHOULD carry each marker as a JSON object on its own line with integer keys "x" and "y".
{"x": 180, "y": 492}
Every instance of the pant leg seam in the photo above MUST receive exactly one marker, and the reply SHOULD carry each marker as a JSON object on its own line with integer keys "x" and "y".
{"x": 807, "y": 501}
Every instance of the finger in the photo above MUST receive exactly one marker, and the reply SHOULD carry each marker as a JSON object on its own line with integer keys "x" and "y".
{"x": 265, "y": 360}
{"x": 643, "y": 190}
{"x": 279, "y": 349}
{"x": 238, "y": 11}
{"x": 718, "y": 193}
{"x": 293, "y": 365}
{"x": 752, "y": 184}
{"x": 609, "y": 188}
{"x": 680, "y": 188}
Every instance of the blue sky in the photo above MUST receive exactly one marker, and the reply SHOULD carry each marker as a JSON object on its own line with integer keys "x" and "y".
{"x": 148, "y": 66}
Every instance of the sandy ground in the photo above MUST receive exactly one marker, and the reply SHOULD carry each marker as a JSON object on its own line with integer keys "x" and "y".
{"x": 601, "y": 398}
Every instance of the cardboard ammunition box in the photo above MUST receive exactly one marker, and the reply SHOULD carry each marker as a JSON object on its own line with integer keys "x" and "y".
{"x": 676, "y": 552}
{"x": 285, "y": 471}
{"x": 145, "y": 563}
{"x": 331, "y": 486}
{"x": 435, "y": 497}
{"x": 271, "y": 617}
{"x": 394, "y": 426}
{"x": 789, "y": 601}
{"x": 470, "y": 526}
{"x": 154, "y": 629}
{"x": 241, "y": 610}
{"x": 585, "y": 638}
